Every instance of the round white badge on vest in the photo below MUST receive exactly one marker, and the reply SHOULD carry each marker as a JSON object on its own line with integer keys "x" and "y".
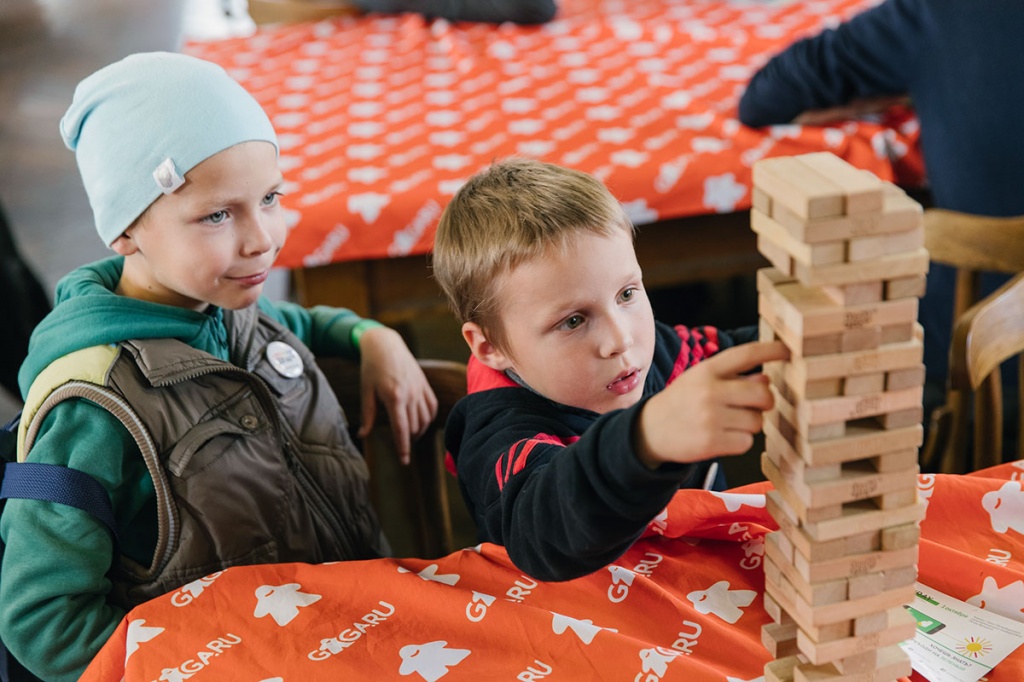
{"x": 284, "y": 359}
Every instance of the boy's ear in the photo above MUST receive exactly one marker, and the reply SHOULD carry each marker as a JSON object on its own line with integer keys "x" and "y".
{"x": 482, "y": 349}
{"x": 124, "y": 245}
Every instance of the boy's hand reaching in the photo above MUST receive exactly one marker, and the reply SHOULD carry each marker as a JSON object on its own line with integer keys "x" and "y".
{"x": 390, "y": 373}
{"x": 712, "y": 409}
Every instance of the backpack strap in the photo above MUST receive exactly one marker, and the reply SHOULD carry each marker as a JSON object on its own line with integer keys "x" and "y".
{"x": 48, "y": 483}
{"x": 55, "y": 483}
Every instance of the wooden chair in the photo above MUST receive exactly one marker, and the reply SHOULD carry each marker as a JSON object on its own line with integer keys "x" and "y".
{"x": 973, "y": 244}
{"x": 423, "y": 485}
{"x": 292, "y": 11}
{"x": 989, "y": 333}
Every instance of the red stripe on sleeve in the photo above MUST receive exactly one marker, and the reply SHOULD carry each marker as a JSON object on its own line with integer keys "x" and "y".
{"x": 514, "y": 460}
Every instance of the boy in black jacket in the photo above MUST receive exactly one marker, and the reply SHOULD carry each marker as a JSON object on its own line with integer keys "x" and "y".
{"x": 576, "y": 432}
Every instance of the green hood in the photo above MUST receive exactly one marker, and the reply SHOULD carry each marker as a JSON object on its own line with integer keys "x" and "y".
{"x": 88, "y": 313}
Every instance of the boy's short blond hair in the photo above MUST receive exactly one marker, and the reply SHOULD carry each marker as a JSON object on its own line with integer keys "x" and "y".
{"x": 507, "y": 214}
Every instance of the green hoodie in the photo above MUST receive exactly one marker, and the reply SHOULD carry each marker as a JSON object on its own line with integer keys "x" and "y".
{"x": 53, "y": 611}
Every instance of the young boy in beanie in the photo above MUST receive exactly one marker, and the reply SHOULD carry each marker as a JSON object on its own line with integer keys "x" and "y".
{"x": 584, "y": 415}
{"x": 195, "y": 401}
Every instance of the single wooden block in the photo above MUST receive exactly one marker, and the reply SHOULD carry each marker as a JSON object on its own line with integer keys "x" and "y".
{"x": 825, "y": 253}
{"x": 761, "y": 200}
{"x": 825, "y": 344}
{"x": 897, "y": 499}
{"x": 863, "y": 191}
{"x": 780, "y": 670}
{"x": 894, "y": 577}
{"x": 872, "y": 623}
{"x": 860, "y": 586}
{"x": 896, "y": 265}
{"x": 798, "y": 187}
{"x": 892, "y": 664}
{"x": 864, "y": 383}
{"x": 901, "y": 418}
{"x": 764, "y": 330}
{"x": 901, "y": 627}
{"x": 785, "y": 546}
{"x": 895, "y": 461}
{"x": 898, "y": 333}
{"x": 823, "y": 388}
{"x": 862, "y": 543}
{"x": 856, "y": 293}
{"x": 906, "y": 287}
{"x": 775, "y": 611}
{"x": 780, "y": 640}
{"x": 775, "y": 254}
{"x": 899, "y": 213}
{"x": 857, "y": 663}
{"x": 901, "y": 537}
{"x": 862, "y": 338}
{"x": 867, "y": 248}
{"x": 898, "y": 379}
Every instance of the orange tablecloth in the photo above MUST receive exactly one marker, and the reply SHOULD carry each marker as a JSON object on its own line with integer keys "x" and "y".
{"x": 684, "y": 603}
{"x": 382, "y": 118}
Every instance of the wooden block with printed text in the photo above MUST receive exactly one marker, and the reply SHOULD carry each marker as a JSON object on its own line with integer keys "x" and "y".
{"x": 795, "y": 310}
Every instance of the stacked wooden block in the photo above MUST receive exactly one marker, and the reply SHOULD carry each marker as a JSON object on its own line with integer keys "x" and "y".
{"x": 841, "y": 444}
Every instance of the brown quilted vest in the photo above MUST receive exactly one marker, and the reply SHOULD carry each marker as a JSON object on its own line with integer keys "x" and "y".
{"x": 249, "y": 466}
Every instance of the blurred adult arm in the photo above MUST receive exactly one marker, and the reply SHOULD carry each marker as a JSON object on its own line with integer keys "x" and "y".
{"x": 860, "y": 64}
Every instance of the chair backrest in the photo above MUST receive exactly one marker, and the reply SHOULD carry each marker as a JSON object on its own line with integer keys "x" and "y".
{"x": 973, "y": 244}
{"x": 413, "y": 500}
{"x": 989, "y": 333}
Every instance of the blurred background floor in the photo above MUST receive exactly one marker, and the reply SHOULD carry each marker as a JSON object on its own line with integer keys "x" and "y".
{"x": 47, "y": 46}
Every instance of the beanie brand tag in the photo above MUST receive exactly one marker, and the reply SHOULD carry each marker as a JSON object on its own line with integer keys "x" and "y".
{"x": 167, "y": 177}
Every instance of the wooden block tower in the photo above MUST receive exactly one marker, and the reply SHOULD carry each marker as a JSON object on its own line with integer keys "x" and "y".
{"x": 841, "y": 444}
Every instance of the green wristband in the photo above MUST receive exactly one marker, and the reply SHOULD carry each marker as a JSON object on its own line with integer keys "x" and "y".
{"x": 360, "y": 328}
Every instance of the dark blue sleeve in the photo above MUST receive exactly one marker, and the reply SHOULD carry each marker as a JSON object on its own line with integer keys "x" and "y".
{"x": 490, "y": 11}
{"x": 873, "y": 54}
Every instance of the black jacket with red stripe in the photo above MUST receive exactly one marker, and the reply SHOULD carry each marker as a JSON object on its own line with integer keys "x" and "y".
{"x": 560, "y": 487}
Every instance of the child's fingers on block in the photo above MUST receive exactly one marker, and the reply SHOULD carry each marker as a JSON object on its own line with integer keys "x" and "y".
{"x": 746, "y": 357}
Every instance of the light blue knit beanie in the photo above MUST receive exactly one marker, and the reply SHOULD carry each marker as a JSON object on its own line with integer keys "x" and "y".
{"x": 139, "y": 125}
